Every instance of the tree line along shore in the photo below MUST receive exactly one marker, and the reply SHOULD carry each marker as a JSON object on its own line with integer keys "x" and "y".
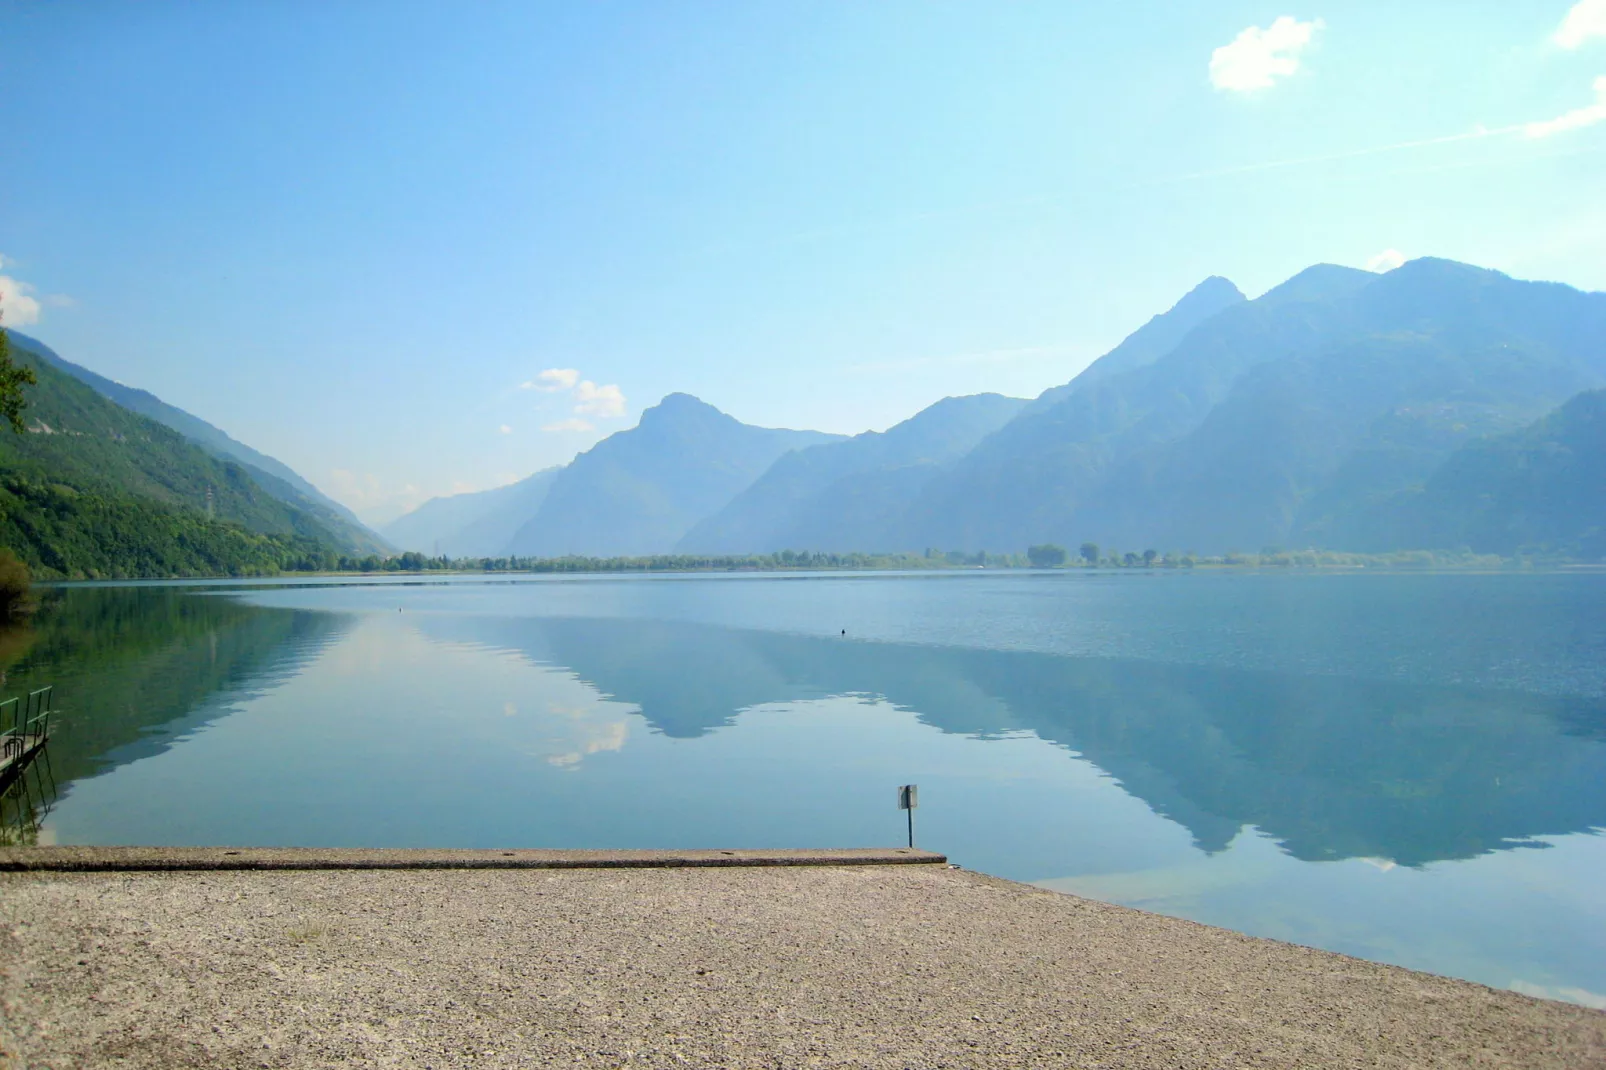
{"x": 1037, "y": 557}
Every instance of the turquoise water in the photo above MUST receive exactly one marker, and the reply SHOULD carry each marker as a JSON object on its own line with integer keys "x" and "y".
{"x": 1406, "y": 767}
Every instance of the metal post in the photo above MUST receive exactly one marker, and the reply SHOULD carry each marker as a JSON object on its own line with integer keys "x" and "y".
{"x": 908, "y": 799}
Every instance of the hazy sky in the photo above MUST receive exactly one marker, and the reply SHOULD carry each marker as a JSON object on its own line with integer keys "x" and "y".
{"x": 354, "y": 235}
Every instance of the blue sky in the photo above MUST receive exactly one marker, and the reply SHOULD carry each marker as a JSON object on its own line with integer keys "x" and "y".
{"x": 355, "y": 235}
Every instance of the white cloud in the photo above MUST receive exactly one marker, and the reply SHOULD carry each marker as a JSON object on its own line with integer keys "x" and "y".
{"x": 1257, "y": 57}
{"x": 17, "y": 308}
{"x": 505, "y": 429}
{"x": 553, "y": 380}
{"x": 1586, "y": 19}
{"x": 604, "y": 402}
{"x": 1387, "y": 260}
{"x": 1577, "y": 119}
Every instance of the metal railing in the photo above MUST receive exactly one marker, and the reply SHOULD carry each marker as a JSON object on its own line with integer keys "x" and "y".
{"x": 25, "y": 724}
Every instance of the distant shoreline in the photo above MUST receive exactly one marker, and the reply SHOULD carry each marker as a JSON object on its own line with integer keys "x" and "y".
{"x": 1214, "y": 567}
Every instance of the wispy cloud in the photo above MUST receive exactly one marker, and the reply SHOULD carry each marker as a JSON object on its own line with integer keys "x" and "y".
{"x": 574, "y": 424}
{"x": 1474, "y": 134}
{"x": 1387, "y": 260}
{"x": 1257, "y": 57}
{"x": 552, "y": 380}
{"x": 1577, "y": 119}
{"x": 505, "y": 429}
{"x": 1587, "y": 19}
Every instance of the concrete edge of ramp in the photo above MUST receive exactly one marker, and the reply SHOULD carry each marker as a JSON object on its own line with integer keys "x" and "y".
{"x": 137, "y": 859}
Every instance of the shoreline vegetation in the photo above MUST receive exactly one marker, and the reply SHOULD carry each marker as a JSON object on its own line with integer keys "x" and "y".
{"x": 803, "y": 561}
{"x": 933, "y": 560}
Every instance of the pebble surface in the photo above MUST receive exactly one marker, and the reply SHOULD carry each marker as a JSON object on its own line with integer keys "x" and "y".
{"x": 831, "y": 966}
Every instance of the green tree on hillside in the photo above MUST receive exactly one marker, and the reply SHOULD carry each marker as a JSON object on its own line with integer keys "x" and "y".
{"x": 16, "y": 598}
{"x": 12, "y": 379}
{"x": 16, "y": 587}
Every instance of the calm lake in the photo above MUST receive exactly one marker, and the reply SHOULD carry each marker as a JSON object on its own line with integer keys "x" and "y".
{"x": 1406, "y": 767}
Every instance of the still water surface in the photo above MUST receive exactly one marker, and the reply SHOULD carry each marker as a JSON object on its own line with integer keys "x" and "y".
{"x": 1410, "y": 768}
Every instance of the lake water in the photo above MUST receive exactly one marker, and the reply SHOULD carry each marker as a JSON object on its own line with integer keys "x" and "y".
{"x": 1406, "y": 767}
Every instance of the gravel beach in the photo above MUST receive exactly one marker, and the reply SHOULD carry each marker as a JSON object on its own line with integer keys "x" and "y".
{"x": 795, "y": 966}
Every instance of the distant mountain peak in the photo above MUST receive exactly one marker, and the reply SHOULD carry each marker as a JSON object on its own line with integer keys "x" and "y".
{"x": 1215, "y": 291}
{"x": 1155, "y": 338}
{"x": 679, "y": 408}
{"x": 1436, "y": 267}
{"x": 679, "y": 399}
{"x": 1319, "y": 282}
{"x": 639, "y": 490}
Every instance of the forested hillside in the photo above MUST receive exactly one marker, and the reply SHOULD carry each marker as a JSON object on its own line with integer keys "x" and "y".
{"x": 92, "y": 489}
{"x": 1539, "y": 490}
{"x": 273, "y": 476}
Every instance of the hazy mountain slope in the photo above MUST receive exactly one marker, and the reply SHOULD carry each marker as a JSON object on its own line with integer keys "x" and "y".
{"x": 841, "y": 496}
{"x": 1023, "y": 484}
{"x": 1154, "y": 339}
{"x": 478, "y": 524}
{"x": 94, "y": 489}
{"x": 1273, "y": 464}
{"x": 639, "y": 491}
{"x": 1541, "y": 488}
{"x": 273, "y": 476}
{"x": 1437, "y": 353}
{"x": 1276, "y": 416}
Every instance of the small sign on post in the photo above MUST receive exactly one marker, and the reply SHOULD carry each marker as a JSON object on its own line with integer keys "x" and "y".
{"x": 908, "y": 799}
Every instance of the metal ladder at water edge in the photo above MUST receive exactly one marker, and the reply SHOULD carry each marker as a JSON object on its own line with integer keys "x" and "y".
{"x": 24, "y": 730}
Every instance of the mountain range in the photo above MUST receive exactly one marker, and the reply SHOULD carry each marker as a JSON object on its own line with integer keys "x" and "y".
{"x": 838, "y": 497}
{"x": 474, "y": 524}
{"x": 1435, "y": 406}
{"x": 1342, "y": 409}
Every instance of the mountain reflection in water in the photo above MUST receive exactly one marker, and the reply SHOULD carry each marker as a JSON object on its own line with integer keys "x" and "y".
{"x": 1332, "y": 767}
{"x": 1328, "y": 765}
{"x": 139, "y": 668}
